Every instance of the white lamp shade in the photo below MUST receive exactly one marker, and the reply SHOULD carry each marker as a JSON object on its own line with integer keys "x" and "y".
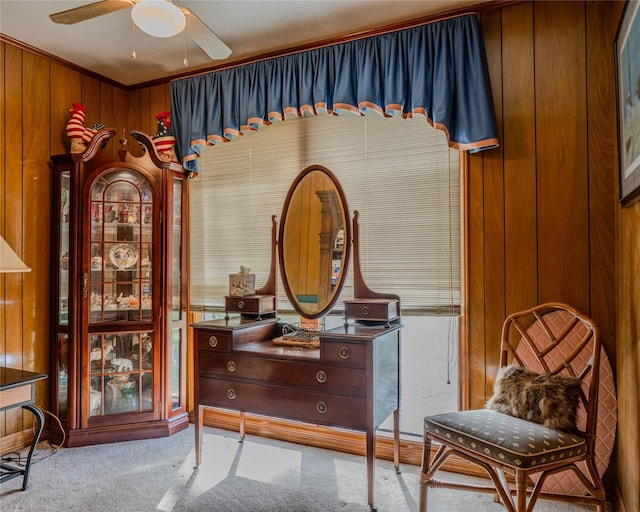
{"x": 9, "y": 260}
{"x": 158, "y": 18}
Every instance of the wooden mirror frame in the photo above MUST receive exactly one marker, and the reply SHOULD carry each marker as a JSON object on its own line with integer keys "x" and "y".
{"x": 327, "y": 235}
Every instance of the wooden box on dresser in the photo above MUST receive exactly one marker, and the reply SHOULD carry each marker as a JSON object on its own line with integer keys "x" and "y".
{"x": 118, "y": 314}
{"x": 351, "y": 381}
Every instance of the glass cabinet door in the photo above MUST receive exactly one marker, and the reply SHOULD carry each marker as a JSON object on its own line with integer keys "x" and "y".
{"x": 177, "y": 324}
{"x": 63, "y": 267}
{"x": 121, "y": 248}
{"x": 121, "y": 373}
{"x": 62, "y": 307}
{"x": 120, "y": 292}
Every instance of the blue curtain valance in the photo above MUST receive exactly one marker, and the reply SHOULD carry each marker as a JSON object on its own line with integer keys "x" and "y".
{"x": 437, "y": 70}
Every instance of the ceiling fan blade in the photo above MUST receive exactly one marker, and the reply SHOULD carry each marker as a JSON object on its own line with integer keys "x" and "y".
{"x": 86, "y": 12}
{"x": 204, "y": 37}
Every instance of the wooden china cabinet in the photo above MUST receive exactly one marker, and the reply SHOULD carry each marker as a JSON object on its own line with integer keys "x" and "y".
{"x": 118, "y": 315}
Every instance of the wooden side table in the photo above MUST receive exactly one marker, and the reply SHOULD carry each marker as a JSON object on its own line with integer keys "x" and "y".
{"x": 17, "y": 390}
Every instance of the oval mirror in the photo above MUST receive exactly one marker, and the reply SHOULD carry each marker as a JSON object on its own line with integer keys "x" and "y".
{"x": 314, "y": 242}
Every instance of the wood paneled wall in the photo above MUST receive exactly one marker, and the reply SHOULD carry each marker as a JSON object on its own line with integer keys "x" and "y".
{"x": 542, "y": 206}
{"x": 35, "y": 97}
{"x": 543, "y": 210}
{"x": 544, "y": 222}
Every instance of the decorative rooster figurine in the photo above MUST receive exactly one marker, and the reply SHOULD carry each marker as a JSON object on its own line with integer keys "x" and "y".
{"x": 164, "y": 141}
{"x": 80, "y": 135}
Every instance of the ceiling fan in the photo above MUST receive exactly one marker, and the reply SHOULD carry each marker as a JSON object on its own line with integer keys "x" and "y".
{"x": 158, "y": 18}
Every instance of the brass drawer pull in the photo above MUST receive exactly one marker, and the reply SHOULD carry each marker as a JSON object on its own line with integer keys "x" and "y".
{"x": 321, "y": 407}
{"x": 213, "y": 341}
{"x": 365, "y": 310}
{"x": 240, "y": 304}
{"x": 344, "y": 353}
{"x": 231, "y": 394}
{"x": 231, "y": 366}
{"x": 321, "y": 376}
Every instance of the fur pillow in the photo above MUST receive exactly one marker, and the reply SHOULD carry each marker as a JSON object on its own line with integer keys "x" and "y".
{"x": 551, "y": 400}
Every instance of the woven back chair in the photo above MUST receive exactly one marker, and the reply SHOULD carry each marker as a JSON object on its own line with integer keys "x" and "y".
{"x": 518, "y": 455}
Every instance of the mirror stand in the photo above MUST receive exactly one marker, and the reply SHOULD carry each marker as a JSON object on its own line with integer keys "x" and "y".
{"x": 271, "y": 286}
{"x": 367, "y": 305}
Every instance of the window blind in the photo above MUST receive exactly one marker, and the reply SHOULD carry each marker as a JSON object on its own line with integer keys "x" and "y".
{"x": 398, "y": 173}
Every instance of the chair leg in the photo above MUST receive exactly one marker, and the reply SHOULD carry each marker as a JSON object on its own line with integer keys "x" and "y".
{"x": 521, "y": 491}
{"x": 424, "y": 474}
{"x": 598, "y": 488}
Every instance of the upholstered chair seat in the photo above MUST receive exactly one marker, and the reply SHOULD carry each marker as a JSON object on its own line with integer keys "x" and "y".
{"x": 512, "y": 441}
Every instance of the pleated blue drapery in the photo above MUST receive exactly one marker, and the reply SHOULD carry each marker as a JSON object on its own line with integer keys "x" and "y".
{"x": 437, "y": 70}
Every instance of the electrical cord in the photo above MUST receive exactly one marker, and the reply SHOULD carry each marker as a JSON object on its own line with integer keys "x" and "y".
{"x": 20, "y": 459}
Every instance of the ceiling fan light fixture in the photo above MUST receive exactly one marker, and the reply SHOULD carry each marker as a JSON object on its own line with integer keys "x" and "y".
{"x": 158, "y": 18}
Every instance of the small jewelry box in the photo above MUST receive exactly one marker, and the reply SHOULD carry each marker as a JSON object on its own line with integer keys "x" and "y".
{"x": 372, "y": 310}
{"x": 254, "y": 305}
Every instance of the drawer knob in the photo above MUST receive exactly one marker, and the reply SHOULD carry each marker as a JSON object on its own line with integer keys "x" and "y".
{"x": 213, "y": 341}
{"x": 231, "y": 366}
{"x": 231, "y": 394}
{"x": 321, "y": 407}
{"x": 321, "y": 376}
{"x": 240, "y": 304}
{"x": 344, "y": 353}
{"x": 365, "y": 310}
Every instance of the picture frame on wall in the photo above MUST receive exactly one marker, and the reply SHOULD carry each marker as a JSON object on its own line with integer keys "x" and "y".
{"x": 627, "y": 59}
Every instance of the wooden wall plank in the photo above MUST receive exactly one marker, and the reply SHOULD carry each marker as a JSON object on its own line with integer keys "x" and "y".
{"x": 521, "y": 287}
{"x": 494, "y": 212}
{"x": 3, "y": 176}
{"x": 106, "y": 114}
{"x": 66, "y": 87}
{"x": 476, "y": 280}
{"x": 602, "y": 152}
{"x": 134, "y": 116}
{"x": 628, "y": 357}
{"x": 91, "y": 100}
{"x": 120, "y": 118}
{"x": 147, "y": 121}
{"x": 561, "y": 124}
{"x": 13, "y": 204}
{"x": 2, "y": 129}
{"x": 160, "y": 101}
{"x": 37, "y": 191}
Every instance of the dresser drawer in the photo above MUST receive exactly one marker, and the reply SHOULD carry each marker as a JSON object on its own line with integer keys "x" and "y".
{"x": 211, "y": 340}
{"x": 352, "y": 354}
{"x": 285, "y": 402}
{"x": 322, "y": 377}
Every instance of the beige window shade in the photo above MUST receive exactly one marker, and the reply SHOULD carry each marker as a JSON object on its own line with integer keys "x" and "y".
{"x": 398, "y": 173}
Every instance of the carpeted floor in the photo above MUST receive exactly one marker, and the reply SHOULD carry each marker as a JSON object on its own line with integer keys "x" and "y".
{"x": 258, "y": 475}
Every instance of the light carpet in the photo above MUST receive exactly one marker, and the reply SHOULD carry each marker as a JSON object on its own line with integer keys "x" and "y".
{"x": 257, "y": 475}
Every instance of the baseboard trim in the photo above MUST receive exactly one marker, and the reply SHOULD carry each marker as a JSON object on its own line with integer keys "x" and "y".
{"x": 330, "y": 438}
{"x": 16, "y": 442}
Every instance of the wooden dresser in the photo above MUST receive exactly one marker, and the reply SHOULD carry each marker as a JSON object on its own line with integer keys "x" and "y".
{"x": 351, "y": 381}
